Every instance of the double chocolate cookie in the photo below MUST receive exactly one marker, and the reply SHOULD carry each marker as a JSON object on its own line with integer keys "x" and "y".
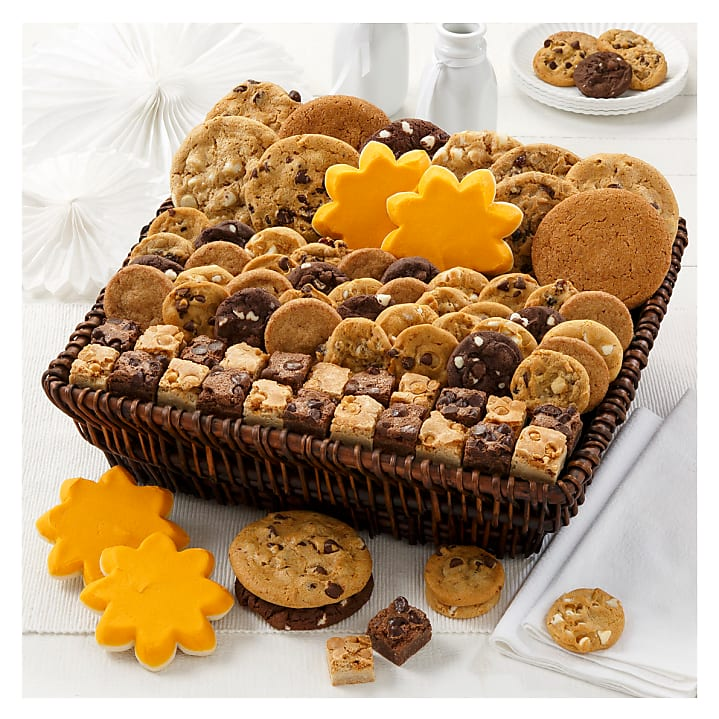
{"x": 603, "y": 74}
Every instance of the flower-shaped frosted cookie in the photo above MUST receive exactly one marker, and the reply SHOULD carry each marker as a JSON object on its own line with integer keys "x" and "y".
{"x": 357, "y": 213}
{"x": 157, "y": 598}
{"x": 453, "y": 223}
{"x": 95, "y": 515}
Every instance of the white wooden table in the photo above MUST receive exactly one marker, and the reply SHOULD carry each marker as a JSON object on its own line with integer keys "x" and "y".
{"x": 275, "y": 665}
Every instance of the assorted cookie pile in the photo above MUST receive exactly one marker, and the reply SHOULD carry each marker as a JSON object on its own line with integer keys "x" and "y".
{"x": 603, "y": 67}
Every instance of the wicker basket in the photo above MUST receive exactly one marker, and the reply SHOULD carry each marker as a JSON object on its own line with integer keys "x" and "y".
{"x": 415, "y": 500}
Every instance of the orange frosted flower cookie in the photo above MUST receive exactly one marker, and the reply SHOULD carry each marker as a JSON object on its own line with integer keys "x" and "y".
{"x": 95, "y": 515}
{"x": 156, "y": 598}
{"x": 453, "y": 223}
{"x": 357, "y": 213}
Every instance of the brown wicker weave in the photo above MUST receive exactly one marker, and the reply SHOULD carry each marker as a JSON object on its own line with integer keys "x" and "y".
{"x": 415, "y": 500}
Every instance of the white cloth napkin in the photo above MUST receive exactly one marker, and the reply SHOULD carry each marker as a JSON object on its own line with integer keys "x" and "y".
{"x": 636, "y": 539}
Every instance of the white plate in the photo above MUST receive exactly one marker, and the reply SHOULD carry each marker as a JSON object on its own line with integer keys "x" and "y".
{"x": 571, "y": 99}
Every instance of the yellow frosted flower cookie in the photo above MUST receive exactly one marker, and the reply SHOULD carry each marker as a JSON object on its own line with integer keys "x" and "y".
{"x": 357, "y": 213}
{"x": 156, "y": 598}
{"x": 95, "y": 515}
{"x": 453, "y": 223}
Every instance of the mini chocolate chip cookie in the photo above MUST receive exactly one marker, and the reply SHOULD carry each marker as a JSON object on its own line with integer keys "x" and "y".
{"x": 166, "y": 244}
{"x": 206, "y": 273}
{"x": 585, "y": 620}
{"x": 560, "y": 54}
{"x": 191, "y": 306}
{"x": 243, "y": 316}
{"x": 473, "y": 150}
{"x": 271, "y": 261}
{"x": 275, "y": 240}
{"x": 286, "y": 186}
{"x": 409, "y": 134}
{"x": 358, "y": 344}
{"x": 649, "y": 67}
{"x": 366, "y": 262}
{"x": 463, "y": 581}
{"x": 265, "y": 102}
{"x": 553, "y": 294}
{"x": 347, "y": 118}
{"x": 301, "y": 325}
{"x": 423, "y": 349}
{"x": 208, "y": 170}
{"x": 548, "y": 377}
{"x": 186, "y": 222}
{"x": 464, "y": 279}
{"x": 511, "y": 289}
{"x": 603, "y": 74}
{"x": 458, "y": 324}
{"x": 325, "y": 249}
{"x": 485, "y": 361}
{"x": 401, "y": 315}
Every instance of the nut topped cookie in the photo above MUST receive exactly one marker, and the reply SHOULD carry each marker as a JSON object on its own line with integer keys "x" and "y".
{"x": 208, "y": 169}
{"x": 286, "y": 186}
{"x": 300, "y": 559}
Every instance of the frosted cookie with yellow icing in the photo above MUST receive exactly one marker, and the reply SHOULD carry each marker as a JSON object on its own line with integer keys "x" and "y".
{"x": 157, "y": 599}
{"x": 453, "y": 223}
{"x": 95, "y": 515}
{"x": 357, "y": 212}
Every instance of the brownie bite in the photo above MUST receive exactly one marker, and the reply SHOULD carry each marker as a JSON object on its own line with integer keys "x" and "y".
{"x": 223, "y": 392}
{"x": 137, "y": 374}
{"x": 566, "y": 420}
{"x": 204, "y": 350}
{"x": 465, "y": 406}
{"x": 117, "y": 333}
{"x": 373, "y": 382}
{"x": 489, "y": 448}
{"x": 290, "y": 368}
{"x": 398, "y": 428}
{"x": 399, "y": 631}
{"x": 310, "y": 412}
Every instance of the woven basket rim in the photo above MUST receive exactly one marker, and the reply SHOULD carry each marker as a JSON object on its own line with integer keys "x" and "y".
{"x": 567, "y": 494}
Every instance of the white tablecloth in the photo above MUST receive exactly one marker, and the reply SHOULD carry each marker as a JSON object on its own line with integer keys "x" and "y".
{"x": 249, "y": 661}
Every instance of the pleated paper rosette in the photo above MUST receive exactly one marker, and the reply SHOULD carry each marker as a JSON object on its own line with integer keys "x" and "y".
{"x": 139, "y": 88}
{"x": 81, "y": 214}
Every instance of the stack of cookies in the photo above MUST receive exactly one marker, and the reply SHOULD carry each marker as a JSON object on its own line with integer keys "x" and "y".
{"x": 602, "y": 67}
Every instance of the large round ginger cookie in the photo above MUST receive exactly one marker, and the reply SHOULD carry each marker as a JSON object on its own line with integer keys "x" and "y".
{"x": 605, "y": 239}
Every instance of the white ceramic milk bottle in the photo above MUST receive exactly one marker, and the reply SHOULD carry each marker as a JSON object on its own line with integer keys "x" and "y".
{"x": 371, "y": 61}
{"x": 459, "y": 89}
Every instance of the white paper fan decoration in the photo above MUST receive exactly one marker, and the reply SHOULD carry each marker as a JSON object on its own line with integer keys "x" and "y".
{"x": 81, "y": 214}
{"x": 139, "y": 88}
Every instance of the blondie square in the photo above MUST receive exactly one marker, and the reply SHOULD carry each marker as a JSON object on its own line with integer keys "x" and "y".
{"x": 246, "y": 358}
{"x": 539, "y": 454}
{"x": 180, "y": 384}
{"x": 266, "y": 403}
{"x": 355, "y": 419}
{"x": 415, "y": 388}
{"x": 328, "y": 378}
{"x": 93, "y": 366}
{"x": 505, "y": 410}
{"x": 166, "y": 340}
{"x": 350, "y": 660}
{"x": 441, "y": 440}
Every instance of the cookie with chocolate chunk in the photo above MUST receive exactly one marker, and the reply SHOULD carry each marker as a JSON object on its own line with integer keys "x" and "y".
{"x": 243, "y": 316}
{"x": 409, "y": 134}
{"x": 538, "y": 157}
{"x": 239, "y": 233}
{"x": 603, "y": 74}
{"x": 301, "y": 569}
{"x": 286, "y": 186}
{"x": 557, "y": 59}
{"x": 265, "y": 102}
{"x": 192, "y": 306}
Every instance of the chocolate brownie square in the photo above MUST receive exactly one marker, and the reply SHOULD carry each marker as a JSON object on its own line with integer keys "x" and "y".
{"x": 399, "y": 631}
{"x": 566, "y": 420}
{"x": 117, "y": 333}
{"x": 398, "y": 428}
{"x": 489, "y": 448}
{"x": 290, "y": 368}
{"x": 137, "y": 374}
{"x": 465, "y": 406}
{"x": 223, "y": 392}
{"x": 204, "y": 350}
{"x": 373, "y": 382}
{"x": 310, "y": 412}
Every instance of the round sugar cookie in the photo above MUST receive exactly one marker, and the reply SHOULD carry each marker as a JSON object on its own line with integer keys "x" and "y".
{"x": 227, "y": 255}
{"x": 605, "y": 239}
{"x": 300, "y": 559}
{"x": 136, "y": 293}
{"x": 366, "y": 262}
{"x": 301, "y": 325}
{"x": 604, "y": 308}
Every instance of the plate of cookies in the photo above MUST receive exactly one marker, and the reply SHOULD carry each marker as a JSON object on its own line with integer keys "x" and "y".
{"x": 599, "y": 68}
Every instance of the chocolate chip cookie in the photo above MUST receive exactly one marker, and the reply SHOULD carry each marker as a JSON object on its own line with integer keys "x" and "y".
{"x": 191, "y": 306}
{"x": 560, "y": 54}
{"x": 358, "y": 344}
{"x": 538, "y": 157}
{"x": 422, "y": 349}
{"x": 286, "y": 186}
{"x": 208, "y": 170}
{"x": 186, "y": 222}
